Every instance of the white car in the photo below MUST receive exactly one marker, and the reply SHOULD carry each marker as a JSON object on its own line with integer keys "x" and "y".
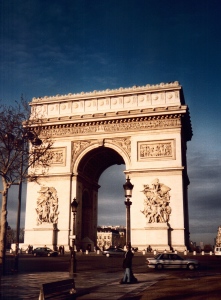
{"x": 170, "y": 260}
{"x": 114, "y": 252}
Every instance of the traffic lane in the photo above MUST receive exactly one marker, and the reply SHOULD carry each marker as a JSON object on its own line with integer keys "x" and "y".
{"x": 171, "y": 284}
{"x": 202, "y": 283}
{"x": 206, "y": 262}
{"x": 29, "y": 263}
{"x": 209, "y": 262}
{"x": 185, "y": 285}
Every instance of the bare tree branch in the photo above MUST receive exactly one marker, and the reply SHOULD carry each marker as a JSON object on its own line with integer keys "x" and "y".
{"x": 24, "y": 153}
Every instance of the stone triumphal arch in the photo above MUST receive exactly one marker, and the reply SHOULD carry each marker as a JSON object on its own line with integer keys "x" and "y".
{"x": 147, "y": 129}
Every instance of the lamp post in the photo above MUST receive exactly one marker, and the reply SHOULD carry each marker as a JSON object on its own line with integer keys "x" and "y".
{"x": 128, "y": 187}
{"x": 74, "y": 205}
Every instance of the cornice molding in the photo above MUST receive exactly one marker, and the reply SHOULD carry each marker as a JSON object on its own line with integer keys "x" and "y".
{"x": 154, "y": 170}
{"x": 108, "y": 92}
{"x": 154, "y": 111}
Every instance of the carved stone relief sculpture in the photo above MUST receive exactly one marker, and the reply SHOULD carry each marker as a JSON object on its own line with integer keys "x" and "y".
{"x": 218, "y": 237}
{"x": 58, "y": 156}
{"x": 123, "y": 143}
{"x": 156, "y": 205}
{"x": 47, "y": 206}
{"x": 156, "y": 150}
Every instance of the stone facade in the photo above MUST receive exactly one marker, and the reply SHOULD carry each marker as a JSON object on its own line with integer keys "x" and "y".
{"x": 218, "y": 237}
{"x": 110, "y": 237}
{"x": 145, "y": 128}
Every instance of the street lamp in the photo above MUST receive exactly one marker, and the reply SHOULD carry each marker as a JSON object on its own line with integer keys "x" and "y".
{"x": 74, "y": 205}
{"x": 128, "y": 187}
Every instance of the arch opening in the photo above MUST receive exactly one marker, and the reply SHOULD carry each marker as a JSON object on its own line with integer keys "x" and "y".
{"x": 111, "y": 207}
{"x": 95, "y": 163}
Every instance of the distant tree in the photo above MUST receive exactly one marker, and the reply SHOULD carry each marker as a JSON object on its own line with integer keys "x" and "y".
{"x": 24, "y": 154}
{"x": 21, "y": 235}
{"x": 10, "y": 237}
{"x": 208, "y": 248}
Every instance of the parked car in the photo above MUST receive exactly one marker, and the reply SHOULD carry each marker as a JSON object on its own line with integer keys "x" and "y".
{"x": 114, "y": 252}
{"x": 170, "y": 260}
{"x": 44, "y": 251}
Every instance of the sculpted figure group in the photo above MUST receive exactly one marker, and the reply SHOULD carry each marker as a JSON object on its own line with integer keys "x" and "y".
{"x": 47, "y": 206}
{"x": 156, "y": 205}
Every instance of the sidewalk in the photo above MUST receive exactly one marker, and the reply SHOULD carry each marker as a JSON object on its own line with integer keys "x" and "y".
{"x": 92, "y": 286}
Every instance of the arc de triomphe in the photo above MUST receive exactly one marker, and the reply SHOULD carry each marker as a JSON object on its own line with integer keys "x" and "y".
{"x": 147, "y": 129}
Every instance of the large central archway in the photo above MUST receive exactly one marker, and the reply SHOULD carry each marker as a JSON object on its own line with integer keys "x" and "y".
{"x": 96, "y": 161}
{"x": 89, "y": 170}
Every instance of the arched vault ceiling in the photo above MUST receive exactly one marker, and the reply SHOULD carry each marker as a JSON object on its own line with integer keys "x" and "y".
{"x": 95, "y": 162}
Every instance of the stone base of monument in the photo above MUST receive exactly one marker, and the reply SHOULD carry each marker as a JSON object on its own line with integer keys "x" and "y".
{"x": 157, "y": 236}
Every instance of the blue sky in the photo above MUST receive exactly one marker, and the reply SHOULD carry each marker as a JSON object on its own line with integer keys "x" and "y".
{"x": 60, "y": 47}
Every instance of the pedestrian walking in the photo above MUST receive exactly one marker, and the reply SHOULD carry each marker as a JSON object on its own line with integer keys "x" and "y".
{"x": 127, "y": 265}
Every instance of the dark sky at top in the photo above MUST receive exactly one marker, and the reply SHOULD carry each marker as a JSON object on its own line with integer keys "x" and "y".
{"x": 60, "y": 47}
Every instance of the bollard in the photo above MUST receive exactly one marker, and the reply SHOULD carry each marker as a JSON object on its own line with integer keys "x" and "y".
{"x": 185, "y": 252}
{"x": 175, "y": 251}
{"x": 203, "y": 252}
{"x": 194, "y": 252}
{"x": 154, "y": 252}
{"x": 86, "y": 251}
{"x": 98, "y": 251}
{"x": 211, "y": 253}
{"x": 143, "y": 252}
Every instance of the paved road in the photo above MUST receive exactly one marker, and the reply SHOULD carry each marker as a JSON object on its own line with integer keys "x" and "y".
{"x": 98, "y": 286}
{"x": 98, "y": 278}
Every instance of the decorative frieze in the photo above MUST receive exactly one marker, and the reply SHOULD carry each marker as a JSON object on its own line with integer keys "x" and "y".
{"x": 105, "y": 101}
{"x": 113, "y": 126}
{"x": 75, "y": 107}
{"x": 154, "y": 150}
